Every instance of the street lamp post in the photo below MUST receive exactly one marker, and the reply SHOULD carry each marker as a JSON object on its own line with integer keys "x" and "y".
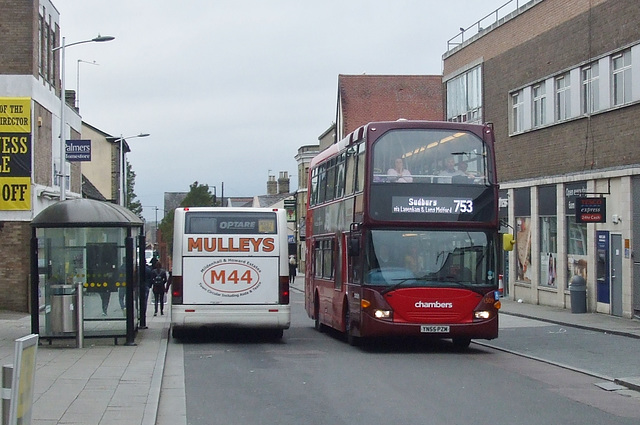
{"x": 156, "y": 239}
{"x": 62, "y": 49}
{"x": 123, "y": 167}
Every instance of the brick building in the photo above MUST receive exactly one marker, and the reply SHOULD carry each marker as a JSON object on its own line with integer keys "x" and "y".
{"x": 30, "y": 113}
{"x": 560, "y": 80}
{"x": 366, "y": 98}
{"x": 29, "y": 74}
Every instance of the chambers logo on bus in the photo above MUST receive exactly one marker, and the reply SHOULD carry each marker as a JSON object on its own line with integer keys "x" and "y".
{"x": 434, "y": 304}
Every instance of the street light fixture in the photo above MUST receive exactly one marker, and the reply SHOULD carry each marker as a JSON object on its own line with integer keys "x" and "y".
{"x": 62, "y": 48}
{"x": 123, "y": 169}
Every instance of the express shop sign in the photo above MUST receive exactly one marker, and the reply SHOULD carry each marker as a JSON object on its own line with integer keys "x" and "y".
{"x": 591, "y": 210}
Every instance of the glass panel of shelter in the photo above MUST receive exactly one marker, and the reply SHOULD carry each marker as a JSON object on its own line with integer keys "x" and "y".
{"x": 92, "y": 259}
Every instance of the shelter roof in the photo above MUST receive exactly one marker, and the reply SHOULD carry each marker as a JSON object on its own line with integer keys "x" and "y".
{"x": 86, "y": 213}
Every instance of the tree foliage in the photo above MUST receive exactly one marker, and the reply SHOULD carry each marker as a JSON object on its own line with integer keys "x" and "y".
{"x": 199, "y": 195}
{"x": 132, "y": 203}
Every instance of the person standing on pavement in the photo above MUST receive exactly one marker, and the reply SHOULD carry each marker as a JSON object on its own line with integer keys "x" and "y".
{"x": 159, "y": 279}
{"x": 293, "y": 265}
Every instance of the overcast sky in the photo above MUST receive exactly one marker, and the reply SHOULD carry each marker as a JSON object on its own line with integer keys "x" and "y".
{"x": 229, "y": 89}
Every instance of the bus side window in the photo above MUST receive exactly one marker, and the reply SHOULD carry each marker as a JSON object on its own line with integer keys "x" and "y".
{"x": 360, "y": 167}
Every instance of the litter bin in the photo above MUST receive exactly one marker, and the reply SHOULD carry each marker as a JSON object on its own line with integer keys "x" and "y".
{"x": 578, "y": 291}
{"x": 63, "y": 312}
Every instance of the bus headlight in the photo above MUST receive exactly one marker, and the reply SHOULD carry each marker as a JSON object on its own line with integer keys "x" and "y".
{"x": 482, "y": 314}
{"x": 382, "y": 314}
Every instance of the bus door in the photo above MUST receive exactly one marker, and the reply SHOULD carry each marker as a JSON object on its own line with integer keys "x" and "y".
{"x": 353, "y": 274}
{"x": 338, "y": 279}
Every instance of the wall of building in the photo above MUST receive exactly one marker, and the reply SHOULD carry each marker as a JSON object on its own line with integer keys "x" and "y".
{"x": 30, "y": 69}
{"x": 598, "y": 152}
{"x": 599, "y": 141}
{"x": 14, "y": 270}
{"x": 100, "y": 169}
{"x": 42, "y": 149}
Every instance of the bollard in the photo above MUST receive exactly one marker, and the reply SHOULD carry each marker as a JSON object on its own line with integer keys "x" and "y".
{"x": 7, "y": 378}
{"x": 79, "y": 317}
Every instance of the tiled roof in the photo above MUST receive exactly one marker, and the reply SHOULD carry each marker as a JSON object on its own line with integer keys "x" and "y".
{"x": 367, "y": 98}
{"x": 270, "y": 200}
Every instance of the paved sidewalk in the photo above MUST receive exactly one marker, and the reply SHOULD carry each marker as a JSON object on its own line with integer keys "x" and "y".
{"x": 592, "y": 321}
{"x": 102, "y": 383}
{"x": 589, "y": 321}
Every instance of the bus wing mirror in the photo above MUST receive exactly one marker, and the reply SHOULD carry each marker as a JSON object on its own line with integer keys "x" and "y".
{"x": 354, "y": 246}
{"x": 508, "y": 241}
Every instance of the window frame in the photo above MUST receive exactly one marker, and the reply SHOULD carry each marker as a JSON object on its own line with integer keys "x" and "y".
{"x": 538, "y": 108}
{"x": 621, "y": 74}
{"x": 517, "y": 112}
{"x": 589, "y": 89}
{"x": 562, "y": 85}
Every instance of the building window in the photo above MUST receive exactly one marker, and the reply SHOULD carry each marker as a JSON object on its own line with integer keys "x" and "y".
{"x": 517, "y": 112}
{"x": 589, "y": 96}
{"x": 621, "y": 77}
{"x": 45, "y": 54}
{"x": 563, "y": 98}
{"x": 548, "y": 225}
{"x": 522, "y": 210}
{"x": 539, "y": 104}
{"x": 464, "y": 97}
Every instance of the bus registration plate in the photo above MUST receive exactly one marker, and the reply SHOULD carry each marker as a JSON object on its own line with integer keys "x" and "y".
{"x": 434, "y": 329}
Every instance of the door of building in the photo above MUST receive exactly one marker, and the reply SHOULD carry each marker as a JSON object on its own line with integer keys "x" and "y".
{"x": 616, "y": 274}
{"x": 603, "y": 267}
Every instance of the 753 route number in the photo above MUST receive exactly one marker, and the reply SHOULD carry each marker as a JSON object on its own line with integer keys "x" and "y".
{"x": 463, "y": 205}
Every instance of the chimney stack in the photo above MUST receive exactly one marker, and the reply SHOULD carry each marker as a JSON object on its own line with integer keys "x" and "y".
{"x": 272, "y": 186}
{"x": 283, "y": 182}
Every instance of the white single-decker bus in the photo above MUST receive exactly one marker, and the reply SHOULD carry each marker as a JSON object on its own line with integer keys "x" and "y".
{"x": 230, "y": 269}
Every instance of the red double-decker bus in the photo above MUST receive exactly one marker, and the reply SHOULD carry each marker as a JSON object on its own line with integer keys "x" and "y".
{"x": 402, "y": 233}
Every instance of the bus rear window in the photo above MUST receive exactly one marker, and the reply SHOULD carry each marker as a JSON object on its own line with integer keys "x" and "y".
{"x": 230, "y": 223}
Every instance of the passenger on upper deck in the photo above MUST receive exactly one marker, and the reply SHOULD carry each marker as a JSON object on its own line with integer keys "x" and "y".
{"x": 399, "y": 174}
{"x": 449, "y": 171}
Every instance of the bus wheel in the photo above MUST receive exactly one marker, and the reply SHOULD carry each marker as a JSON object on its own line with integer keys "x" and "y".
{"x": 351, "y": 338}
{"x": 461, "y": 343}
{"x": 176, "y": 332}
{"x": 277, "y": 334}
{"x": 316, "y": 314}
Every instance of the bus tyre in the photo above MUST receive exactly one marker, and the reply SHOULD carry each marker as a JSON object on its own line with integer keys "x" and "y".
{"x": 277, "y": 334}
{"x": 353, "y": 340}
{"x": 461, "y": 343}
{"x": 176, "y": 332}
{"x": 316, "y": 314}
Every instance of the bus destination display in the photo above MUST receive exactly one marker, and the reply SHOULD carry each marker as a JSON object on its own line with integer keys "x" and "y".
{"x": 431, "y": 205}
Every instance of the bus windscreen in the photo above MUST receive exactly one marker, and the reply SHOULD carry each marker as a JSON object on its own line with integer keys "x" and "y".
{"x": 430, "y": 259}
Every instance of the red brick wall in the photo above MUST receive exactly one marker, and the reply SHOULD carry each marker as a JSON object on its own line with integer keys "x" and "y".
{"x": 14, "y": 266}
{"x": 42, "y": 149}
{"x": 552, "y": 37}
{"x": 605, "y": 140}
{"x": 541, "y": 18}
{"x": 18, "y": 36}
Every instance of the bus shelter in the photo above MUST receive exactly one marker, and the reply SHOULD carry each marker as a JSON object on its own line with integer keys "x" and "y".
{"x": 85, "y": 261}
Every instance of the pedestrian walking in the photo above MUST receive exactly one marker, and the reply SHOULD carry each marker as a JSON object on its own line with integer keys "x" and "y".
{"x": 159, "y": 279}
{"x": 293, "y": 266}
